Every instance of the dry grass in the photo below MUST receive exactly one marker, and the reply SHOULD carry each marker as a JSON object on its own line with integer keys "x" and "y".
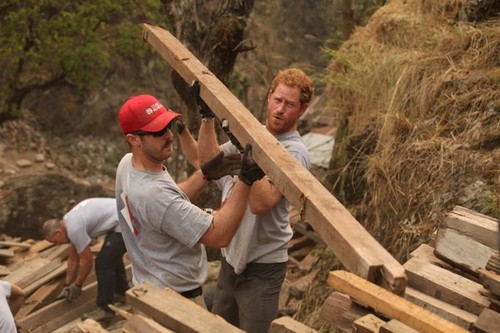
{"x": 417, "y": 100}
{"x": 419, "y": 106}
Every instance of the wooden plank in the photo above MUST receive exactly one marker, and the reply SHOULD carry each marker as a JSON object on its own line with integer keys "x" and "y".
{"x": 6, "y": 253}
{"x": 426, "y": 252}
{"x": 390, "y": 305}
{"x": 446, "y": 286}
{"x": 488, "y": 322}
{"x": 121, "y": 312}
{"x": 34, "y": 252}
{"x": 352, "y": 244}
{"x": 141, "y": 324}
{"x": 472, "y": 214}
{"x": 309, "y": 261}
{"x": 4, "y": 270}
{"x": 59, "y": 313}
{"x": 461, "y": 251}
{"x": 22, "y": 245}
{"x": 494, "y": 262}
{"x": 58, "y": 251}
{"x": 339, "y": 310}
{"x": 41, "y": 246}
{"x": 395, "y": 326}
{"x": 368, "y": 324}
{"x": 39, "y": 297}
{"x": 442, "y": 309}
{"x": 31, "y": 271}
{"x": 59, "y": 270}
{"x": 288, "y": 325}
{"x": 299, "y": 287}
{"x": 478, "y": 227}
{"x": 91, "y": 326}
{"x": 176, "y": 312}
{"x": 490, "y": 280}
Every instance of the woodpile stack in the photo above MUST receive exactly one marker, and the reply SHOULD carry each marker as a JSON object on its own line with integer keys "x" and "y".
{"x": 39, "y": 268}
{"x": 453, "y": 285}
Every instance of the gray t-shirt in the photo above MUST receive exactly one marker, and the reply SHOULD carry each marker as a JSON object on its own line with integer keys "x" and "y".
{"x": 161, "y": 229}
{"x": 262, "y": 238}
{"x": 89, "y": 219}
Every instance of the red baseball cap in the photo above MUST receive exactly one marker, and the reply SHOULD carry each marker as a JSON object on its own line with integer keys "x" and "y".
{"x": 145, "y": 113}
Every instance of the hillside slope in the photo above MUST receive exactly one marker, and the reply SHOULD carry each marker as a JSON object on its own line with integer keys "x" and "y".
{"x": 416, "y": 94}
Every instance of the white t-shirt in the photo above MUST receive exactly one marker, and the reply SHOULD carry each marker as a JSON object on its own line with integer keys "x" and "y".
{"x": 89, "y": 219}
{"x": 161, "y": 229}
{"x": 7, "y": 324}
{"x": 262, "y": 238}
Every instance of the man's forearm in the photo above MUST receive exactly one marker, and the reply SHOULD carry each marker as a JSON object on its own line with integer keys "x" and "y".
{"x": 228, "y": 218}
{"x": 263, "y": 196}
{"x": 86, "y": 262}
{"x": 207, "y": 140}
{"x": 189, "y": 148}
{"x": 193, "y": 186}
{"x": 71, "y": 272}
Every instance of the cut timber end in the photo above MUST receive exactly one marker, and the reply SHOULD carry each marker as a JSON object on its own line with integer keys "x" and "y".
{"x": 493, "y": 263}
{"x": 351, "y": 243}
{"x": 175, "y": 312}
{"x": 389, "y": 304}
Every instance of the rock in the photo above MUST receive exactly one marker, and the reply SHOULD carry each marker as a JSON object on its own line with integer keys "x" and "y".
{"x": 23, "y": 163}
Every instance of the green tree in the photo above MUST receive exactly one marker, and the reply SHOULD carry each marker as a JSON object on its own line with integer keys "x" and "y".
{"x": 50, "y": 43}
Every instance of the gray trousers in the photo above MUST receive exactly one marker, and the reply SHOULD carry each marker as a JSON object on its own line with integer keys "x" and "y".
{"x": 249, "y": 300}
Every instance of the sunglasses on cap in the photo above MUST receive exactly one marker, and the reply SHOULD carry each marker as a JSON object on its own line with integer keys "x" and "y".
{"x": 154, "y": 134}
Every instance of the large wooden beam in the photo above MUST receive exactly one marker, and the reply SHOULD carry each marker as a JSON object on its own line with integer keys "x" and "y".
{"x": 176, "y": 312}
{"x": 477, "y": 226}
{"x": 447, "y": 286}
{"x": 390, "y": 305}
{"x": 351, "y": 243}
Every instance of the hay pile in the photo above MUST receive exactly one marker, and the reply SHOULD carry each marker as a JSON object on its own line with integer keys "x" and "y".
{"x": 416, "y": 94}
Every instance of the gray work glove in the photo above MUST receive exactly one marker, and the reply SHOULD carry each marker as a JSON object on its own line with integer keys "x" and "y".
{"x": 74, "y": 292}
{"x": 250, "y": 171}
{"x": 221, "y": 165}
{"x": 64, "y": 293}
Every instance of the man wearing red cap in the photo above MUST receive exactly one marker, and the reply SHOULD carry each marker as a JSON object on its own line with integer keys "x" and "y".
{"x": 163, "y": 231}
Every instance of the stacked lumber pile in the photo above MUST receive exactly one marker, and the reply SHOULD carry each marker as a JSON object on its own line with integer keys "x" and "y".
{"x": 36, "y": 267}
{"x": 453, "y": 285}
{"x": 150, "y": 309}
{"x": 39, "y": 268}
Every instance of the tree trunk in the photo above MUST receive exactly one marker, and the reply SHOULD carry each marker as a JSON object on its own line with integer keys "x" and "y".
{"x": 214, "y": 32}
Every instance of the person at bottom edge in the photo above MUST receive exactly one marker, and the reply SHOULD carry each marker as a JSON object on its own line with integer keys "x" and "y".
{"x": 11, "y": 300}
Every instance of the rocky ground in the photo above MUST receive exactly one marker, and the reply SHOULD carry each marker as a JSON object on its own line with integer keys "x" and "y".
{"x": 39, "y": 175}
